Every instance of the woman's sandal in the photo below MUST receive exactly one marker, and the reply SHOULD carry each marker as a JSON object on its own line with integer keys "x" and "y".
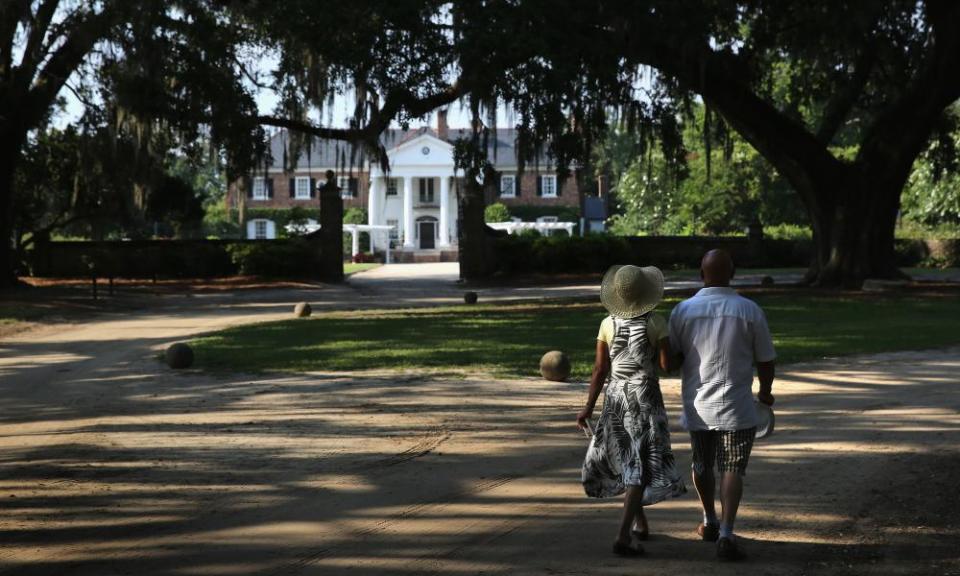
{"x": 621, "y": 549}
{"x": 644, "y": 535}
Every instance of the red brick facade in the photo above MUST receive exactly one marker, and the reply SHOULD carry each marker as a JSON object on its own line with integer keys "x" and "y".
{"x": 281, "y": 197}
{"x": 526, "y": 194}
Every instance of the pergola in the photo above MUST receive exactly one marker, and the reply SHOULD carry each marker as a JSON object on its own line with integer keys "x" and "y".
{"x": 513, "y": 227}
{"x": 353, "y": 229}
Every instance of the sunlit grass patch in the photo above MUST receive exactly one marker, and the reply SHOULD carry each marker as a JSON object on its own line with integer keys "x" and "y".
{"x": 508, "y": 340}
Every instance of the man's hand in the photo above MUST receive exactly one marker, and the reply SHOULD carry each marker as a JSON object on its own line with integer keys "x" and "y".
{"x": 766, "y": 397}
{"x": 582, "y": 418}
{"x": 766, "y": 371}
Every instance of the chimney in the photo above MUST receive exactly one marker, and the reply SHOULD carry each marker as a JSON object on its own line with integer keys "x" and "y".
{"x": 443, "y": 130}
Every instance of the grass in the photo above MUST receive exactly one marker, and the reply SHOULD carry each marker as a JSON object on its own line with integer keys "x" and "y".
{"x": 508, "y": 340}
{"x": 10, "y": 315}
{"x": 694, "y": 273}
{"x": 351, "y": 268}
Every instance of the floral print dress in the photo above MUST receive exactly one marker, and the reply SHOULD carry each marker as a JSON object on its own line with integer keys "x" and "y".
{"x": 631, "y": 439}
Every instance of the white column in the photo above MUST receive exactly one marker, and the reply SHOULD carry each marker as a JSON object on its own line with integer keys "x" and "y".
{"x": 355, "y": 242}
{"x": 454, "y": 222}
{"x": 373, "y": 200}
{"x": 444, "y": 211}
{"x": 373, "y": 207}
{"x": 408, "y": 212}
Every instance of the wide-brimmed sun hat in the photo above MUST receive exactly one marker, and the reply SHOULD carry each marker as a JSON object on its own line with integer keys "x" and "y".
{"x": 766, "y": 421}
{"x": 631, "y": 291}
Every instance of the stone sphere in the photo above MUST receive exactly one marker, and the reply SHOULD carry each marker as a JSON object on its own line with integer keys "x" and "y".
{"x": 766, "y": 281}
{"x": 302, "y": 310}
{"x": 555, "y": 366}
{"x": 179, "y": 355}
{"x": 470, "y": 297}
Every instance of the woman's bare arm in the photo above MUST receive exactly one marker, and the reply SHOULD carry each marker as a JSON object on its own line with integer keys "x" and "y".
{"x": 601, "y": 369}
{"x": 669, "y": 361}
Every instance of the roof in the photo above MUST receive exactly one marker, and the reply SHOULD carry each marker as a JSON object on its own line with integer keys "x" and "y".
{"x": 333, "y": 153}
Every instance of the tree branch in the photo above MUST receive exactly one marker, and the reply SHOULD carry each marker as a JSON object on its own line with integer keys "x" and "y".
{"x": 11, "y": 14}
{"x": 65, "y": 61}
{"x": 346, "y": 134}
{"x": 909, "y": 121}
{"x": 722, "y": 83}
{"x": 33, "y": 53}
{"x": 838, "y": 108}
{"x": 396, "y": 101}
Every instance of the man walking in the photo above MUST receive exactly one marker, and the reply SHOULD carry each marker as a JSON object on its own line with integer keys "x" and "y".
{"x": 719, "y": 336}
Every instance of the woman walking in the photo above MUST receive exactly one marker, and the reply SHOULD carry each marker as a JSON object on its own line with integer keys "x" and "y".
{"x": 630, "y": 449}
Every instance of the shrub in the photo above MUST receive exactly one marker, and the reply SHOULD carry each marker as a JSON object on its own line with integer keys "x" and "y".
{"x": 788, "y": 232}
{"x": 354, "y": 215}
{"x": 496, "y": 213}
{"x": 295, "y": 257}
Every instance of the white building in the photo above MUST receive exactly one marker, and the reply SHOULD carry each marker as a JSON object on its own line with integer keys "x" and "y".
{"x": 418, "y": 198}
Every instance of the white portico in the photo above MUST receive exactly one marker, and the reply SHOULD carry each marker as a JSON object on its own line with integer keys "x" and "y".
{"x": 416, "y": 196}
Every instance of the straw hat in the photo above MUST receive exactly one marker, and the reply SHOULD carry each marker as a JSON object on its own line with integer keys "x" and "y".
{"x": 631, "y": 291}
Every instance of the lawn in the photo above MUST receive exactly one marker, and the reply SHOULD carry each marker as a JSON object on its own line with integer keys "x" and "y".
{"x": 509, "y": 339}
{"x": 352, "y": 268}
{"x": 10, "y": 315}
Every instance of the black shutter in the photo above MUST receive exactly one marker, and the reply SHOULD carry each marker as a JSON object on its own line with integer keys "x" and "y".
{"x": 248, "y": 184}
{"x": 539, "y": 185}
{"x": 313, "y": 187}
{"x": 293, "y": 187}
{"x": 500, "y": 185}
{"x": 516, "y": 185}
{"x": 354, "y": 186}
{"x": 556, "y": 186}
{"x": 269, "y": 183}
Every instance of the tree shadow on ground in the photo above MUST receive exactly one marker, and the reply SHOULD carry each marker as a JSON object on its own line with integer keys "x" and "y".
{"x": 130, "y": 468}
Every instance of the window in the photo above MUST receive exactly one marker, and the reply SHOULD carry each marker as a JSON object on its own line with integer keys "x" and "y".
{"x": 260, "y": 229}
{"x": 548, "y": 186}
{"x": 391, "y": 186}
{"x": 347, "y": 186}
{"x": 259, "y": 188}
{"x": 395, "y": 230}
{"x": 343, "y": 183}
{"x": 508, "y": 186}
{"x": 302, "y": 187}
{"x": 426, "y": 190}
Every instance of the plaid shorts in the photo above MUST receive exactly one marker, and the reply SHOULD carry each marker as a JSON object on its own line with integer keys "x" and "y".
{"x": 729, "y": 449}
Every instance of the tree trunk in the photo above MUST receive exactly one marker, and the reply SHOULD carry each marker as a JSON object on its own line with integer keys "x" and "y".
{"x": 475, "y": 254}
{"x": 331, "y": 231}
{"x": 854, "y": 229}
{"x": 9, "y": 155}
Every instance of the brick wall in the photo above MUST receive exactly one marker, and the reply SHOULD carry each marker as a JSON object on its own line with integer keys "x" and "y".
{"x": 281, "y": 193}
{"x": 527, "y": 194}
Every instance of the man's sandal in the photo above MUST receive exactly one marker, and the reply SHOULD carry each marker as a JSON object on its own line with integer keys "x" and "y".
{"x": 728, "y": 550}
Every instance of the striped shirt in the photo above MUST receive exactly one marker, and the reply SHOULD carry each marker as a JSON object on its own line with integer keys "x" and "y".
{"x": 721, "y": 335}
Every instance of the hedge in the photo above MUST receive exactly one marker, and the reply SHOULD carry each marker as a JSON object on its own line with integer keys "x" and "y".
{"x": 597, "y": 252}
{"x": 294, "y": 257}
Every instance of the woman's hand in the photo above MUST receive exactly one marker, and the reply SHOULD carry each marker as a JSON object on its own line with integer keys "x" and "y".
{"x": 582, "y": 418}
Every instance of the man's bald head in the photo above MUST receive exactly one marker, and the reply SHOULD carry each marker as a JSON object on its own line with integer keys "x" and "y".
{"x": 716, "y": 268}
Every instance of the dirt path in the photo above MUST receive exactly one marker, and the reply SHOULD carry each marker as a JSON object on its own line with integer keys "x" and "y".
{"x": 112, "y": 464}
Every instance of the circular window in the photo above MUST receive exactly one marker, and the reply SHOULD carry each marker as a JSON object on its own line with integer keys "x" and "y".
{"x": 425, "y": 150}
